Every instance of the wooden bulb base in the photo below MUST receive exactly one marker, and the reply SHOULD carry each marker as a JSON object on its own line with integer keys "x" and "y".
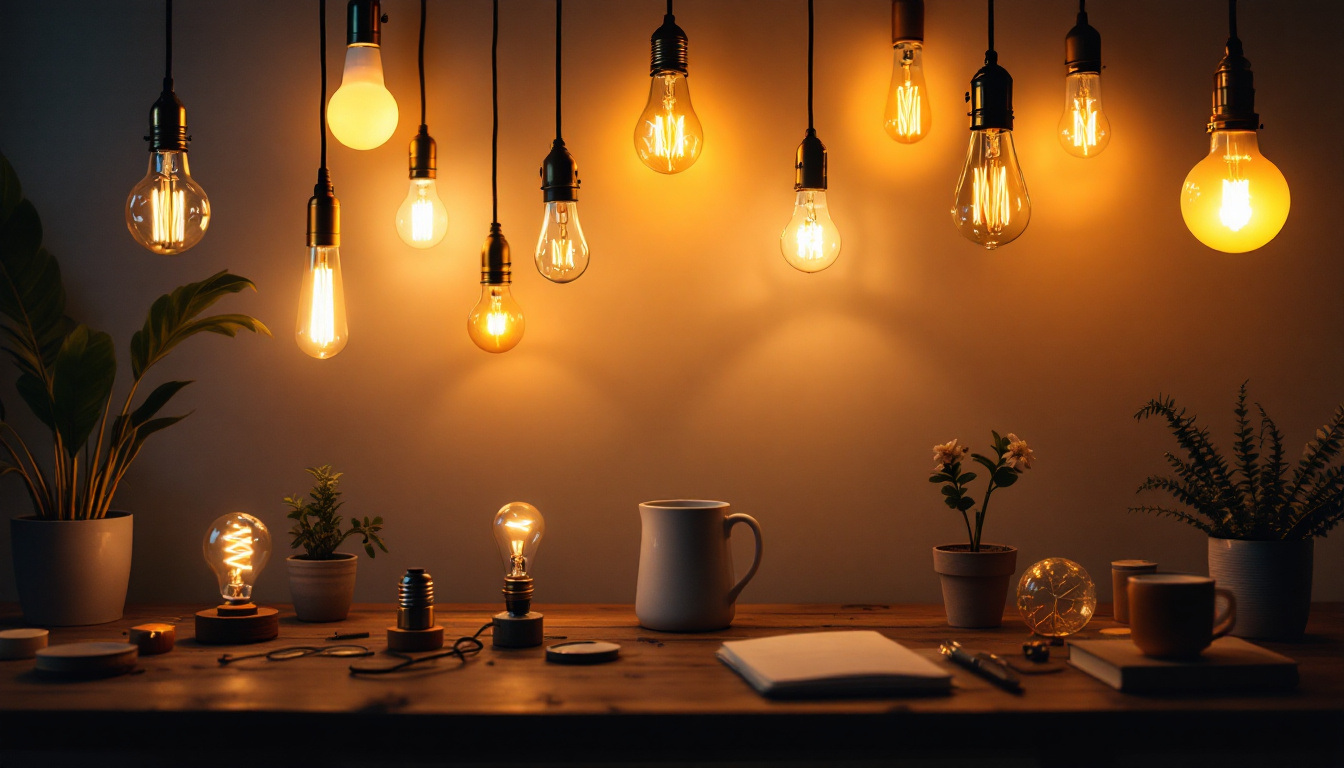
{"x": 414, "y": 640}
{"x": 237, "y": 625}
{"x": 509, "y": 631}
{"x": 153, "y": 639}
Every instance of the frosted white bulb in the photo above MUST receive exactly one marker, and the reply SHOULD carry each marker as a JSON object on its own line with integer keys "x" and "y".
{"x": 362, "y": 113}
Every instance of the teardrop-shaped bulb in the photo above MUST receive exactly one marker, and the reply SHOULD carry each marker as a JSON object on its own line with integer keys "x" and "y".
{"x": 991, "y": 207}
{"x": 908, "y": 118}
{"x": 362, "y": 113}
{"x": 236, "y": 547}
{"x": 811, "y": 241}
{"x": 496, "y": 322}
{"x": 167, "y": 211}
{"x": 422, "y": 219}
{"x": 562, "y": 253}
{"x": 668, "y": 136}
{"x": 1084, "y": 129}
{"x": 322, "y": 331}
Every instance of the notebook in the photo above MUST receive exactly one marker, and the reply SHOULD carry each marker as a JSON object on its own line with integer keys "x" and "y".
{"x": 832, "y": 664}
{"x": 1229, "y": 664}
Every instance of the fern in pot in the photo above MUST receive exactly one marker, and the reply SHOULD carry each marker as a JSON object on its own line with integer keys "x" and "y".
{"x": 72, "y": 555}
{"x": 1261, "y": 510}
{"x": 322, "y": 580}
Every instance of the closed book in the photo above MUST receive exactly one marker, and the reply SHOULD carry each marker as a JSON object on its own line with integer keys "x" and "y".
{"x": 832, "y": 664}
{"x": 1229, "y": 664}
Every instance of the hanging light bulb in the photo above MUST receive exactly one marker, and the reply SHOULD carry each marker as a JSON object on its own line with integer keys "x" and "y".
{"x": 1234, "y": 200}
{"x": 167, "y": 211}
{"x": 236, "y": 547}
{"x": 907, "y": 118}
{"x": 810, "y": 242}
{"x": 422, "y": 219}
{"x": 562, "y": 252}
{"x": 668, "y": 136}
{"x": 363, "y": 112}
{"x": 991, "y": 207}
{"x": 518, "y": 530}
{"x": 1084, "y": 129}
{"x": 496, "y": 322}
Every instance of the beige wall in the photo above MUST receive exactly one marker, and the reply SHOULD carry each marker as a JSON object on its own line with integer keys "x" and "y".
{"x": 691, "y": 361}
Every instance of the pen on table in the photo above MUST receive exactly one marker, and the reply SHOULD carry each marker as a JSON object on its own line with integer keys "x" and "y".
{"x": 986, "y": 665}
{"x": 348, "y": 636}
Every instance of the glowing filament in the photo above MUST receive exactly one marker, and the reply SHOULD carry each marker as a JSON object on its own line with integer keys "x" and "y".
{"x": 239, "y": 551}
{"x": 907, "y": 101}
{"x": 168, "y": 214}
{"x": 422, "y": 220}
{"x": 811, "y": 237}
{"x": 1084, "y": 134}
{"x": 1235, "y": 212}
{"x": 322, "y": 312}
{"x": 991, "y": 208}
{"x": 497, "y": 321}
{"x": 667, "y": 131}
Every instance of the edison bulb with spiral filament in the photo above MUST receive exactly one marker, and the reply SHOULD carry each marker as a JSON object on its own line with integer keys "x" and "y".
{"x": 562, "y": 252}
{"x": 1084, "y": 129}
{"x": 907, "y": 117}
{"x": 422, "y": 219}
{"x": 496, "y": 323}
{"x": 236, "y": 547}
{"x": 518, "y": 528}
{"x": 167, "y": 211}
{"x": 1235, "y": 200}
{"x": 1056, "y": 597}
{"x": 991, "y": 207}
{"x": 362, "y": 113}
{"x": 811, "y": 241}
{"x": 322, "y": 330}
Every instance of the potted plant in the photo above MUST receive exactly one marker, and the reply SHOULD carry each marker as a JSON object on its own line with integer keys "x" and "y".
{"x": 72, "y": 555}
{"x": 322, "y": 580}
{"x": 975, "y": 575}
{"x": 1261, "y": 512}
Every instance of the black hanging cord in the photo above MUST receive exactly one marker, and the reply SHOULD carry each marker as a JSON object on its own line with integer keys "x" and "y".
{"x": 558, "y": 16}
{"x": 810, "y": 26}
{"x": 991, "y": 25}
{"x": 1082, "y": 6}
{"x": 168, "y": 34}
{"x": 322, "y": 38}
{"x": 1232, "y": 18}
{"x": 422, "y": 63}
{"x": 669, "y": 7}
{"x": 494, "y": 132}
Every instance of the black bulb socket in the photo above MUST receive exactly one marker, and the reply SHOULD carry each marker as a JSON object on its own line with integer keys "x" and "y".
{"x": 991, "y": 96}
{"x": 1234, "y": 93}
{"x": 668, "y": 45}
{"x": 424, "y": 155}
{"x": 907, "y": 21}
{"x": 518, "y": 592}
{"x": 496, "y": 264}
{"x": 168, "y": 122}
{"x": 810, "y": 168}
{"x": 1082, "y": 47}
{"x": 324, "y": 214}
{"x": 363, "y": 23}
{"x": 559, "y": 175}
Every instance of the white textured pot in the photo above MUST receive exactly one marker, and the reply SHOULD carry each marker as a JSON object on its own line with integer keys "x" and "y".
{"x": 975, "y": 584}
{"x": 1272, "y": 582}
{"x": 72, "y": 572}
{"x": 322, "y": 590}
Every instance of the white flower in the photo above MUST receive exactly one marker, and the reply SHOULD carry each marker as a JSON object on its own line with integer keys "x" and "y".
{"x": 1018, "y": 453}
{"x": 948, "y": 453}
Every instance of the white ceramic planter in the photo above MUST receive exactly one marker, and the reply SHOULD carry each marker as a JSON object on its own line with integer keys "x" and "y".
{"x": 72, "y": 572}
{"x": 1272, "y": 582}
{"x": 322, "y": 590}
{"x": 975, "y": 584}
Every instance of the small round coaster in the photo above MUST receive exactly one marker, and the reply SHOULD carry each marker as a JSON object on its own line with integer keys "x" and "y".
{"x": 22, "y": 643}
{"x": 88, "y": 659}
{"x": 582, "y": 652}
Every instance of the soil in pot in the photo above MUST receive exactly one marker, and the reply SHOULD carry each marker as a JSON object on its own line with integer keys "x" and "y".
{"x": 975, "y": 584}
{"x": 322, "y": 590}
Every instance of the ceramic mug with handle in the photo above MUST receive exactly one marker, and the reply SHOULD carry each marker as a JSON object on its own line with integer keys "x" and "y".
{"x": 1171, "y": 615}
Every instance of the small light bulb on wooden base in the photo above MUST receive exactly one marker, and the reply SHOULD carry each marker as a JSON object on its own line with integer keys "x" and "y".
{"x": 237, "y": 547}
{"x": 518, "y": 529}
{"x": 415, "y": 630}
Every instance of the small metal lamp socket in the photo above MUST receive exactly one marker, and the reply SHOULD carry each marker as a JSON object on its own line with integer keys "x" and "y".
{"x": 324, "y": 213}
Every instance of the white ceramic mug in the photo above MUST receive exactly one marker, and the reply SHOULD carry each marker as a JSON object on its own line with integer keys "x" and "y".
{"x": 686, "y": 566}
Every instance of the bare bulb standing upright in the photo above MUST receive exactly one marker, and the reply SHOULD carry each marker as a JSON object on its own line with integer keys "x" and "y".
{"x": 518, "y": 528}
{"x": 908, "y": 116}
{"x": 1084, "y": 129}
{"x": 668, "y": 135}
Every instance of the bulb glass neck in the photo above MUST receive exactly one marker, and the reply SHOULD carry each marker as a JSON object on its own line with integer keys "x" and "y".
{"x": 991, "y": 96}
{"x": 559, "y": 175}
{"x": 668, "y": 48}
{"x": 324, "y": 214}
{"x": 810, "y": 166}
{"x": 169, "y": 162}
{"x": 1082, "y": 47}
{"x": 496, "y": 263}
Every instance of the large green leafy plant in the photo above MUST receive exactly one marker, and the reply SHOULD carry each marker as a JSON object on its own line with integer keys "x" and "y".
{"x": 317, "y": 526}
{"x": 67, "y": 369}
{"x": 1255, "y": 497}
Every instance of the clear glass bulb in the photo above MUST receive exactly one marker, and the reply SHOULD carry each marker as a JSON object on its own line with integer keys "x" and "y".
{"x": 236, "y": 547}
{"x": 496, "y": 322}
{"x": 422, "y": 219}
{"x": 811, "y": 241}
{"x": 322, "y": 331}
{"x": 908, "y": 117}
{"x": 518, "y": 530}
{"x": 167, "y": 212}
{"x": 562, "y": 253}
{"x": 991, "y": 206}
{"x": 1083, "y": 128}
{"x": 668, "y": 136}
{"x": 1235, "y": 200}
{"x": 362, "y": 113}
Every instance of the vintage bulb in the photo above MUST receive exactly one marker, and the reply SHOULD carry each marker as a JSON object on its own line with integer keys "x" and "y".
{"x": 362, "y": 113}
{"x": 1235, "y": 200}
{"x": 422, "y": 219}
{"x": 236, "y": 547}
{"x": 562, "y": 253}
{"x": 518, "y": 530}
{"x": 907, "y": 118}
{"x": 1083, "y": 128}
{"x": 496, "y": 322}
{"x": 811, "y": 241}
{"x": 991, "y": 206}
{"x": 322, "y": 331}
{"x": 167, "y": 211}
{"x": 668, "y": 136}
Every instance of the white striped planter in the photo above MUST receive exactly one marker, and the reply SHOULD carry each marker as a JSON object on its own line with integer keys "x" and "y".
{"x": 1272, "y": 582}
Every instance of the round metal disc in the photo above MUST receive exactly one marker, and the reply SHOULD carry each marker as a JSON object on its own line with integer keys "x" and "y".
{"x": 582, "y": 652}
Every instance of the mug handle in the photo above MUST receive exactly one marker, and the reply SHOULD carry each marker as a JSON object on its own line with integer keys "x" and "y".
{"x": 1225, "y": 623}
{"x": 729, "y": 522}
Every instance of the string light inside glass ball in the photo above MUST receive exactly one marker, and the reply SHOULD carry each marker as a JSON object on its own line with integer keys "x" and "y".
{"x": 1056, "y": 597}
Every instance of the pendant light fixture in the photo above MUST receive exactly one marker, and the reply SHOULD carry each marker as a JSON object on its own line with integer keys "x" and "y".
{"x": 810, "y": 242}
{"x": 562, "y": 252}
{"x": 322, "y": 330}
{"x": 422, "y": 219}
{"x": 1084, "y": 129}
{"x": 363, "y": 112}
{"x": 668, "y": 136}
{"x": 907, "y": 118}
{"x": 991, "y": 207}
{"x": 496, "y": 322}
{"x": 168, "y": 212}
{"x": 1234, "y": 200}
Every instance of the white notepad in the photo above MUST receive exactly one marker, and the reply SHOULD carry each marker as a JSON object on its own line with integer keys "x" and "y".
{"x": 862, "y": 663}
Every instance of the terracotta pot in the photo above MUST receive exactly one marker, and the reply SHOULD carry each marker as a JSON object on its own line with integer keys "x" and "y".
{"x": 72, "y": 572}
{"x": 1272, "y": 582}
{"x": 975, "y": 584}
{"x": 322, "y": 590}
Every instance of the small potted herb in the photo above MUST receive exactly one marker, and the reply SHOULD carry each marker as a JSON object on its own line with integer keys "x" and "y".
{"x": 322, "y": 580}
{"x": 975, "y": 575}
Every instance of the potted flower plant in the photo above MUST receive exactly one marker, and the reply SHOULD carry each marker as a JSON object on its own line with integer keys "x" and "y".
{"x": 1261, "y": 518}
{"x": 322, "y": 580}
{"x": 72, "y": 555}
{"x": 975, "y": 575}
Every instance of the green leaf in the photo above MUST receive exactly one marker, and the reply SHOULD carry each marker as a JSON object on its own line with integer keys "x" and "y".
{"x": 985, "y": 462}
{"x": 10, "y": 190}
{"x": 966, "y": 478}
{"x": 940, "y": 478}
{"x": 951, "y": 502}
{"x": 81, "y": 384}
{"x": 949, "y": 490}
{"x": 156, "y": 400}
{"x": 35, "y": 394}
{"x": 154, "y": 425}
{"x": 1006, "y": 477}
{"x": 966, "y": 503}
{"x": 174, "y": 318}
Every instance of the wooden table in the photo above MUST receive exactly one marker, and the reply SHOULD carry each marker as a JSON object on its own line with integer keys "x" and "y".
{"x": 667, "y": 700}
